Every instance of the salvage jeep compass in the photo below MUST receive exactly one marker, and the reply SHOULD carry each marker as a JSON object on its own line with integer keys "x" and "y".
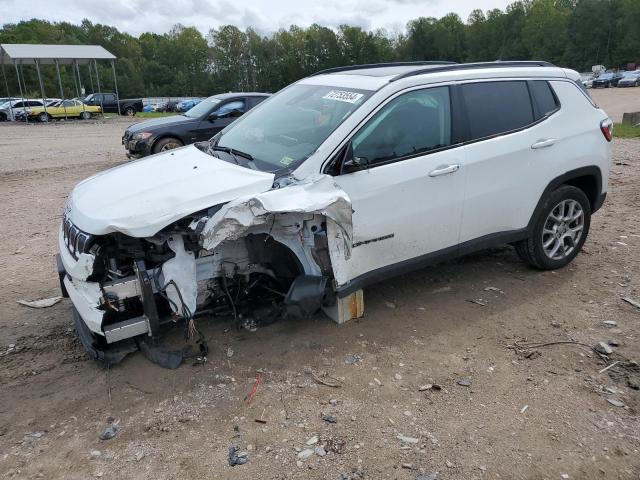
{"x": 342, "y": 179}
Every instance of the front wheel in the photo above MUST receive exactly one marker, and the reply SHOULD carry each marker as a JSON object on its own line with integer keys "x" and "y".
{"x": 85, "y": 115}
{"x": 168, "y": 143}
{"x": 560, "y": 231}
{"x": 129, "y": 112}
{"x": 44, "y": 117}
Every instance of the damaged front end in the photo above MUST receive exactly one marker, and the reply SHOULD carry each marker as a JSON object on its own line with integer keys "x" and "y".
{"x": 256, "y": 259}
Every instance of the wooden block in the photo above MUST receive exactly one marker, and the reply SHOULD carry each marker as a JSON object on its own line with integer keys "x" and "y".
{"x": 346, "y": 308}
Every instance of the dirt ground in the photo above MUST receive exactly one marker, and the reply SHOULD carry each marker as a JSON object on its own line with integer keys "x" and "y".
{"x": 542, "y": 413}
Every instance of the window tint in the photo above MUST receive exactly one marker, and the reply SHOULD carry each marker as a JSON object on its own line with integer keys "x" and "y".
{"x": 413, "y": 123}
{"x": 256, "y": 100}
{"x": 109, "y": 98}
{"x": 231, "y": 106}
{"x": 544, "y": 98}
{"x": 497, "y": 107}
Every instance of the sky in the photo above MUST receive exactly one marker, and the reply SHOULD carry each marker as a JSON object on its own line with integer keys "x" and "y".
{"x": 265, "y": 16}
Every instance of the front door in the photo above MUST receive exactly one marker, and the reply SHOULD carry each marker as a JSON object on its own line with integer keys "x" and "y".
{"x": 225, "y": 114}
{"x": 407, "y": 200}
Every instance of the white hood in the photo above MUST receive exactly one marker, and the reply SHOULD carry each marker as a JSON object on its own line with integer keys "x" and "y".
{"x": 142, "y": 197}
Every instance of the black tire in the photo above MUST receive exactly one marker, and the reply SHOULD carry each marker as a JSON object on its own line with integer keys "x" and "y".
{"x": 44, "y": 117}
{"x": 85, "y": 115}
{"x": 531, "y": 250}
{"x": 167, "y": 143}
{"x": 129, "y": 111}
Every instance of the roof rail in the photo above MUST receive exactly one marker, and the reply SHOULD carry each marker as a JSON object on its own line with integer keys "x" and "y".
{"x": 381, "y": 65}
{"x": 465, "y": 66}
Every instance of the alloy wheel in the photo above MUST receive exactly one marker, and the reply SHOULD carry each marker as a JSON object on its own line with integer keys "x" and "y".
{"x": 563, "y": 229}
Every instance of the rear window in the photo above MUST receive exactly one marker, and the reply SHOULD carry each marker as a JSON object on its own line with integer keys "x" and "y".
{"x": 544, "y": 97}
{"x": 497, "y": 107}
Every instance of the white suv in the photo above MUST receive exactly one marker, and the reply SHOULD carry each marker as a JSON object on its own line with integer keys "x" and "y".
{"x": 342, "y": 179}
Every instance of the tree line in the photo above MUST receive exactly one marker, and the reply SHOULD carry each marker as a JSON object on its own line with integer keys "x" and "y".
{"x": 184, "y": 62}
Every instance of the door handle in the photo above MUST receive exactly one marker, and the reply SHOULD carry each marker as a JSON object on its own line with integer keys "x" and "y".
{"x": 544, "y": 143}
{"x": 444, "y": 170}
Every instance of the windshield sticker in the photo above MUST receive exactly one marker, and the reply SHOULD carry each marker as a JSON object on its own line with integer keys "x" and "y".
{"x": 286, "y": 161}
{"x": 343, "y": 96}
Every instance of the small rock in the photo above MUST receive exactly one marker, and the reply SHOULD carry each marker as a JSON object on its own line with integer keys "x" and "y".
{"x": 312, "y": 441}
{"x": 139, "y": 455}
{"x": 378, "y": 382}
{"x": 158, "y": 410}
{"x": 633, "y": 383}
{"x": 615, "y": 402}
{"x": 304, "y": 454}
{"x": 98, "y": 474}
{"x": 333, "y": 402}
{"x": 602, "y": 347}
{"x": 95, "y": 453}
{"x": 613, "y": 343}
{"x": 351, "y": 359}
{"x": 423, "y": 388}
{"x": 35, "y": 434}
{"x": 405, "y": 439}
{"x": 408, "y": 466}
{"x": 449, "y": 464}
{"x": 427, "y": 476}
{"x": 329, "y": 418}
{"x": 236, "y": 458}
{"x": 320, "y": 451}
{"x": 109, "y": 432}
{"x": 299, "y": 463}
{"x": 610, "y": 323}
{"x": 397, "y": 376}
{"x": 229, "y": 352}
{"x": 390, "y": 304}
{"x": 564, "y": 476}
{"x": 465, "y": 382}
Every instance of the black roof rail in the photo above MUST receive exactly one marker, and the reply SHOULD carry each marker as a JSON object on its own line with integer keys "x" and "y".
{"x": 465, "y": 66}
{"x": 381, "y": 65}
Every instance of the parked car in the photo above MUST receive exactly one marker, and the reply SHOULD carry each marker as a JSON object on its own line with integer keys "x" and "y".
{"x": 340, "y": 180}
{"x": 607, "y": 79}
{"x": 108, "y": 103}
{"x": 198, "y": 124}
{"x": 10, "y": 109}
{"x": 630, "y": 79}
{"x": 73, "y": 108}
{"x": 186, "y": 105}
{"x": 147, "y": 108}
{"x": 587, "y": 79}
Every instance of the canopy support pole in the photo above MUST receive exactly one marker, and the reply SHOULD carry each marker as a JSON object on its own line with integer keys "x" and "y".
{"x": 44, "y": 101}
{"x": 4, "y": 75}
{"x": 93, "y": 90}
{"x": 21, "y": 94}
{"x": 79, "y": 82}
{"x": 75, "y": 79}
{"x": 115, "y": 83}
{"x": 61, "y": 90}
{"x": 95, "y": 65}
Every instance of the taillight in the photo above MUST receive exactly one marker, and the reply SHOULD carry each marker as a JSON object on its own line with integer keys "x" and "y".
{"x": 607, "y": 129}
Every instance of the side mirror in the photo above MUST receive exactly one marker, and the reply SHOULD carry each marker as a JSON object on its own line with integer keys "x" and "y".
{"x": 354, "y": 164}
{"x": 212, "y": 116}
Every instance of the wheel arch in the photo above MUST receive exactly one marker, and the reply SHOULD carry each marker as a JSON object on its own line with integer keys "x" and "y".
{"x": 164, "y": 135}
{"x": 588, "y": 179}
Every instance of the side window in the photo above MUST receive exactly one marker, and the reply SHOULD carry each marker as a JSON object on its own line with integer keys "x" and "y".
{"x": 413, "y": 123}
{"x": 497, "y": 107}
{"x": 34, "y": 104}
{"x": 255, "y": 101}
{"x": 109, "y": 98}
{"x": 544, "y": 98}
{"x": 230, "y": 107}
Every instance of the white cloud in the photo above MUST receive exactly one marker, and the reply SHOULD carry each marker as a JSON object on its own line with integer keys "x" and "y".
{"x": 137, "y": 16}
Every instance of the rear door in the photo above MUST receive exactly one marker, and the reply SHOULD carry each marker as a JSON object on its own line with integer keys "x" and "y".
{"x": 407, "y": 198}
{"x": 509, "y": 156}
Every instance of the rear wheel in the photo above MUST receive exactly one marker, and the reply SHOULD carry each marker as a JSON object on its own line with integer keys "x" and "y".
{"x": 168, "y": 143}
{"x": 559, "y": 232}
{"x": 44, "y": 117}
{"x": 85, "y": 115}
{"x": 129, "y": 111}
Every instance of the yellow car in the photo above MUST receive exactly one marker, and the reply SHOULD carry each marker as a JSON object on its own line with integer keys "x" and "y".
{"x": 72, "y": 108}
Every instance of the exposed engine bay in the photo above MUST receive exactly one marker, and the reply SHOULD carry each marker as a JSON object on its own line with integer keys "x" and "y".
{"x": 255, "y": 259}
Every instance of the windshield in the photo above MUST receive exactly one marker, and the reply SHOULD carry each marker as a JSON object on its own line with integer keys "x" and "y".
{"x": 630, "y": 74}
{"x": 286, "y": 129}
{"x": 202, "y": 108}
{"x": 606, "y": 76}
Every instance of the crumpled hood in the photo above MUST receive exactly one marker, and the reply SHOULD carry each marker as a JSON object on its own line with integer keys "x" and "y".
{"x": 142, "y": 197}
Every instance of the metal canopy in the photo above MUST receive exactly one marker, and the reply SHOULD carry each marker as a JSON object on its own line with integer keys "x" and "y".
{"x": 29, "y": 54}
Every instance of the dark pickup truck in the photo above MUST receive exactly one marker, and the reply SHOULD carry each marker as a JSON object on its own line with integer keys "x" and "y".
{"x": 109, "y": 104}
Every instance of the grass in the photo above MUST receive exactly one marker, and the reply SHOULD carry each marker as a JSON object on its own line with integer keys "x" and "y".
{"x": 625, "y": 131}
{"x": 154, "y": 114}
